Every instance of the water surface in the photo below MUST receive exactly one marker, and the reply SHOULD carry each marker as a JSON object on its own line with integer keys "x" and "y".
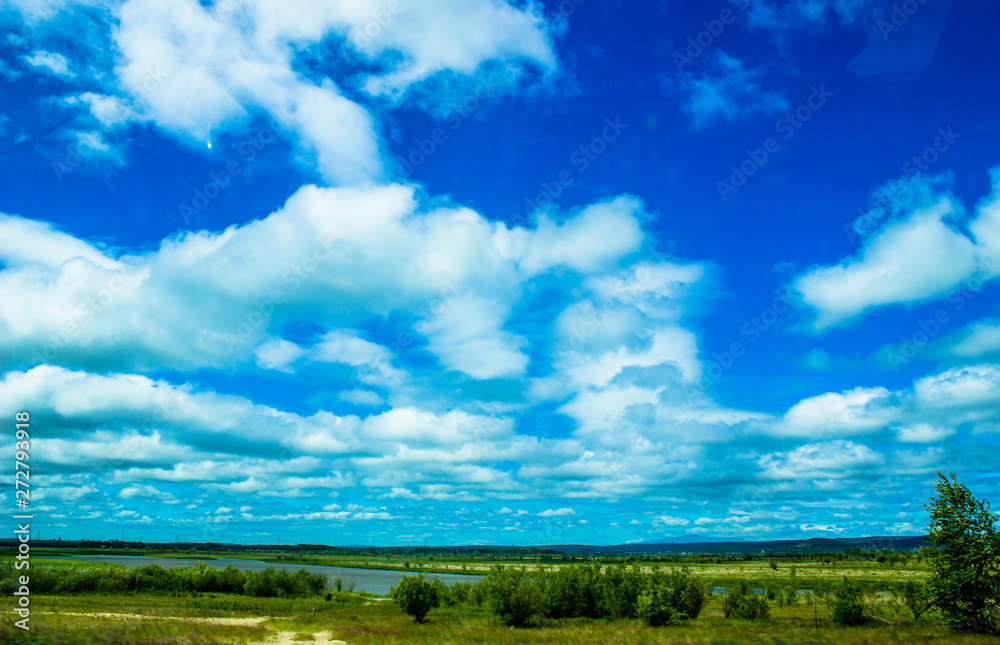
{"x": 377, "y": 581}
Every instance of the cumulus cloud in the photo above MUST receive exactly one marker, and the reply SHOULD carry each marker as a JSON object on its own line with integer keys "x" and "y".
{"x": 195, "y": 70}
{"x": 557, "y": 512}
{"x": 52, "y": 63}
{"x": 921, "y": 254}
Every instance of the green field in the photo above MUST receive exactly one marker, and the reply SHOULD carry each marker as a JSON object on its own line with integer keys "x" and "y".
{"x": 360, "y": 618}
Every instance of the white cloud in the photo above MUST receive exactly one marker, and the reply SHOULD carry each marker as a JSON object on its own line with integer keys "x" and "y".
{"x": 557, "y": 512}
{"x": 278, "y": 354}
{"x": 361, "y": 397}
{"x": 978, "y": 339}
{"x": 924, "y": 433}
{"x": 110, "y": 111}
{"x": 921, "y": 254}
{"x": 837, "y": 414}
{"x": 827, "y": 460}
{"x": 51, "y": 62}
{"x": 195, "y": 69}
{"x": 728, "y": 92}
{"x": 143, "y": 491}
{"x": 457, "y": 272}
{"x": 467, "y": 335}
{"x": 960, "y": 387}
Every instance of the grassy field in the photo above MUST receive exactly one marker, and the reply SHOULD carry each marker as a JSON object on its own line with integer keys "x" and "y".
{"x": 362, "y": 619}
{"x": 234, "y": 619}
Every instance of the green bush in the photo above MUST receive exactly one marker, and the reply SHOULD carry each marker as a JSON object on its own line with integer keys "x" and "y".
{"x": 416, "y": 596}
{"x": 478, "y": 594}
{"x": 620, "y": 588}
{"x": 81, "y": 579}
{"x": 848, "y": 604}
{"x": 741, "y": 602}
{"x": 512, "y": 595}
{"x": 573, "y": 592}
{"x": 916, "y": 597}
{"x": 460, "y": 592}
{"x": 671, "y": 598}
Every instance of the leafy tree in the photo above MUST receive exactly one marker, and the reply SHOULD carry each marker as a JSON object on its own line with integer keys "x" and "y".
{"x": 848, "y": 604}
{"x": 416, "y": 596}
{"x": 965, "y": 565}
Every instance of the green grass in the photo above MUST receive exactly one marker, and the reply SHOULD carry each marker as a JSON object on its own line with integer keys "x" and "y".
{"x": 361, "y": 621}
{"x": 384, "y": 623}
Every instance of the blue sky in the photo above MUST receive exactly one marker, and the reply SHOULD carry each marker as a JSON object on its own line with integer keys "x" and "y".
{"x": 386, "y": 271}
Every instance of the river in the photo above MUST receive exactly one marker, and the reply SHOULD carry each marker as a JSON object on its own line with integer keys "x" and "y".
{"x": 377, "y": 581}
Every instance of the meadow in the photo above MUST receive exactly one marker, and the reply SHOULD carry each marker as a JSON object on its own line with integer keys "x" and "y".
{"x": 207, "y": 618}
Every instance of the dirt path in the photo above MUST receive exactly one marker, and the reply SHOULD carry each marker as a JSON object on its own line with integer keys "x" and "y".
{"x": 285, "y": 638}
{"x": 282, "y": 638}
{"x": 192, "y": 619}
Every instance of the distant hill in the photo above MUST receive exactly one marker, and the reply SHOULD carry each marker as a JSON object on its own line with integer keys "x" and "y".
{"x": 691, "y": 538}
{"x": 726, "y": 547}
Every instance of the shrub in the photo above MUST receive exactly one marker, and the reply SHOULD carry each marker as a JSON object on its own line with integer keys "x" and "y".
{"x": 512, "y": 595}
{"x": 671, "y": 598}
{"x": 478, "y": 594}
{"x": 740, "y": 602}
{"x": 965, "y": 565}
{"x": 460, "y": 592}
{"x": 572, "y": 592}
{"x": 848, "y": 604}
{"x": 620, "y": 588}
{"x": 351, "y": 584}
{"x": 338, "y": 583}
{"x": 416, "y": 596}
{"x": 916, "y": 598}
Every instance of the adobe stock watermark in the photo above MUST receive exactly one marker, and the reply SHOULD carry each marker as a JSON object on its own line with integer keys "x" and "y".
{"x": 899, "y": 16}
{"x": 260, "y": 315}
{"x": 362, "y": 36}
{"x": 248, "y": 149}
{"x": 929, "y": 328}
{"x": 76, "y": 153}
{"x": 425, "y": 147}
{"x": 88, "y": 311}
{"x": 883, "y": 199}
{"x": 580, "y": 159}
{"x": 752, "y": 330}
{"x": 787, "y": 126}
{"x": 695, "y": 46}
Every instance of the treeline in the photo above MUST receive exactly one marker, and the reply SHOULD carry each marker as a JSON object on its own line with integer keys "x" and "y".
{"x": 269, "y": 583}
{"x": 517, "y": 596}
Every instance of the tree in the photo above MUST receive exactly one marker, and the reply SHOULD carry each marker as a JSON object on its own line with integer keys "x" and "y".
{"x": 965, "y": 563}
{"x": 416, "y": 596}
